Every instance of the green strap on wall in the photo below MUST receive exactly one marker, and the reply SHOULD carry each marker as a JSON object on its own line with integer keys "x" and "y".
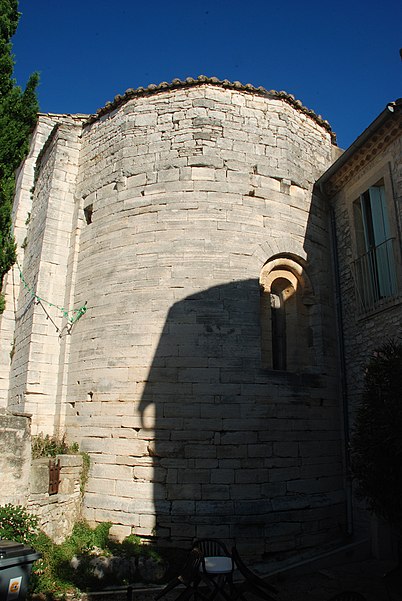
{"x": 72, "y": 315}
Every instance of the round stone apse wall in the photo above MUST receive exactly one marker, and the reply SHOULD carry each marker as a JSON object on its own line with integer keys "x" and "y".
{"x": 186, "y": 194}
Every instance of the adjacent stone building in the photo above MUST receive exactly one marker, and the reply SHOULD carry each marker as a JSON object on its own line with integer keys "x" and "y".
{"x": 174, "y": 312}
{"x": 363, "y": 189}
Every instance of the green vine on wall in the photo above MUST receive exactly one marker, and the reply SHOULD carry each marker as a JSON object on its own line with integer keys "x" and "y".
{"x": 86, "y": 464}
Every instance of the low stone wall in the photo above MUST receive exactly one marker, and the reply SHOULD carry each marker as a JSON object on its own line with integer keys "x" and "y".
{"x": 15, "y": 457}
{"x": 26, "y": 481}
{"x": 58, "y": 512}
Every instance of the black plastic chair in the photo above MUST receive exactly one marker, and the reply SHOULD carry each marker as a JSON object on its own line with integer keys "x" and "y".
{"x": 189, "y": 578}
{"x": 251, "y": 583}
{"x": 211, "y": 547}
{"x": 217, "y": 582}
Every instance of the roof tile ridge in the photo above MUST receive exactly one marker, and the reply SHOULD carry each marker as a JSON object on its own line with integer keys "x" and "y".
{"x": 177, "y": 83}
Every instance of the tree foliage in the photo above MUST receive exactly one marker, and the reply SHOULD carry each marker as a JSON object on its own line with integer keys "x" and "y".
{"x": 377, "y": 438}
{"x": 18, "y": 112}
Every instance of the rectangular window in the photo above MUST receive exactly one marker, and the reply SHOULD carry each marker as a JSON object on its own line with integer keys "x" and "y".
{"x": 374, "y": 268}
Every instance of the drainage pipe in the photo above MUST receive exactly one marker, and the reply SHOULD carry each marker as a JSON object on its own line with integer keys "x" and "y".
{"x": 344, "y": 395}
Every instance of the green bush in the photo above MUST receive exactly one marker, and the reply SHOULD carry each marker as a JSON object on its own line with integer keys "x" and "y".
{"x": 50, "y": 446}
{"x": 131, "y": 546}
{"x": 17, "y": 524}
{"x": 54, "y": 574}
{"x": 376, "y": 443}
{"x": 45, "y": 578}
{"x": 84, "y": 539}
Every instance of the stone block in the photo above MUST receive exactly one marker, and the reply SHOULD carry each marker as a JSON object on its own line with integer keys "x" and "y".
{"x": 111, "y": 472}
{"x": 119, "y": 533}
{"x": 196, "y": 476}
{"x": 202, "y": 173}
{"x": 101, "y": 486}
{"x": 145, "y": 119}
{"x": 316, "y": 485}
{"x": 185, "y": 492}
{"x": 168, "y": 175}
{"x": 39, "y": 480}
{"x": 289, "y": 449}
{"x": 222, "y": 476}
{"x": 183, "y": 508}
{"x": 70, "y": 461}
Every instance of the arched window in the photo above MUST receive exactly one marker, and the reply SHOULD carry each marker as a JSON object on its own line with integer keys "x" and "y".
{"x": 286, "y": 297}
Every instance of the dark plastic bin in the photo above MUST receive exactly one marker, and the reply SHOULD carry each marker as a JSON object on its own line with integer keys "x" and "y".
{"x": 15, "y": 569}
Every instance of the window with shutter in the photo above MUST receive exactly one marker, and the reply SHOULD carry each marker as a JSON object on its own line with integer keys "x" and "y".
{"x": 374, "y": 267}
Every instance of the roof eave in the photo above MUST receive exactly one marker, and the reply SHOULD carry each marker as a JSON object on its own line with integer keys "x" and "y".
{"x": 386, "y": 115}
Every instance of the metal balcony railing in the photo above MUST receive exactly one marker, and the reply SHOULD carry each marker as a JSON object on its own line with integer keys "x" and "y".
{"x": 375, "y": 276}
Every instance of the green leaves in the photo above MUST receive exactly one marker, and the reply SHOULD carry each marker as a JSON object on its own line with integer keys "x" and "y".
{"x": 50, "y": 446}
{"x": 9, "y": 17}
{"x": 17, "y": 524}
{"x": 18, "y": 112}
{"x": 376, "y": 443}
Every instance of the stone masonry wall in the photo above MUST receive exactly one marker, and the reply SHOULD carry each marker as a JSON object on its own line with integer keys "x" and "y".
{"x": 11, "y": 285}
{"x": 26, "y": 482}
{"x": 57, "y": 513}
{"x": 188, "y": 193}
{"x": 364, "y": 333}
{"x": 35, "y": 378}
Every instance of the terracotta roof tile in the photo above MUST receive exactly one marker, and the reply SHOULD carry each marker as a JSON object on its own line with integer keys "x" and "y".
{"x": 203, "y": 79}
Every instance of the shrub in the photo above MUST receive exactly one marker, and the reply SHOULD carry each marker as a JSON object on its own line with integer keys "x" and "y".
{"x": 45, "y": 577}
{"x": 376, "y": 442}
{"x": 84, "y": 539}
{"x": 17, "y": 524}
{"x": 132, "y": 546}
{"x": 50, "y": 446}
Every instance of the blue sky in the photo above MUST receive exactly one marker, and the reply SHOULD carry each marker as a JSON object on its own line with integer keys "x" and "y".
{"x": 341, "y": 59}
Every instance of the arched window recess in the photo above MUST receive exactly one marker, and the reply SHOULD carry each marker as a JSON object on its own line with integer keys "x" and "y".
{"x": 286, "y": 299}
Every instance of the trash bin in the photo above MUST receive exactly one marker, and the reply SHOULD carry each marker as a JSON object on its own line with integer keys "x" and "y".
{"x": 15, "y": 569}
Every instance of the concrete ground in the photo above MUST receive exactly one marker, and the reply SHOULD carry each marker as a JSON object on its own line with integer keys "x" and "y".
{"x": 321, "y": 584}
{"x": 365, "y": 577}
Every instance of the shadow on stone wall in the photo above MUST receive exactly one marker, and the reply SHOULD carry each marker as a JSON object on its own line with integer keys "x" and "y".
{"x": 239, "y": 452}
